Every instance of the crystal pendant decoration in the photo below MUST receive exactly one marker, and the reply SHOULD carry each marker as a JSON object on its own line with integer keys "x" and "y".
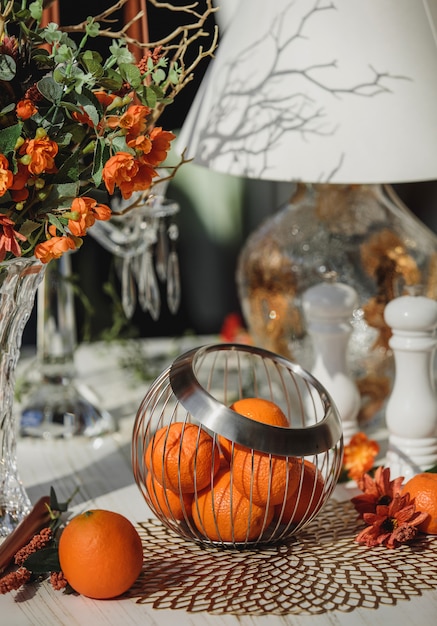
{"x": 141, "y": 239}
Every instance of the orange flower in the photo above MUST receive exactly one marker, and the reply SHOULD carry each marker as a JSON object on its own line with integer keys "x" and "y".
{"x": 54, "y": 248}
{"x": 392, "y": 524}
{"x": 25, "y": 109}
{"x": 134, "y": 120}
{"x": 142, "y": 143}
{"x": 359, "y": 456}
{"x": 42, "y": 151}
{"x": 376, "y": 491}
{"x": 161, "y": 140}
{"x": 127, "y": 173}
{"x": 105, "y": 98}
{"x": 6, "y": 176}
{"x": 88, "y": 211}
{"x": 9, "y": 238}
{"x": 18, "y": 189}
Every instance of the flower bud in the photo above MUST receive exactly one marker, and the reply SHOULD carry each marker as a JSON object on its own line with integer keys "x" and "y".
{"x": 40, "y": 133}
{"x": 115, "y": 104}
{"x": 19, "y": 143}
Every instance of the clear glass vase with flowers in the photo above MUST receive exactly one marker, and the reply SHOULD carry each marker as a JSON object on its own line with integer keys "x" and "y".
{"x": 72, "y": 122}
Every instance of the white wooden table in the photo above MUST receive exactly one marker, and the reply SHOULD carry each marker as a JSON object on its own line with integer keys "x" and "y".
{"x": 102, "y": 470}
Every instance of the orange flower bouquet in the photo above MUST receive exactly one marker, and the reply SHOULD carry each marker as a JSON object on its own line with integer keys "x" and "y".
{"x": 72, "y": 122}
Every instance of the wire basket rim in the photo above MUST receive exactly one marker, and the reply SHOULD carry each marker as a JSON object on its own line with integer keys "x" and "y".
{"x": 210, "y": 413}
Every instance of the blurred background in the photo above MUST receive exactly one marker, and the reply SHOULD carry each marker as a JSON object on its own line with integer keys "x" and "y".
{"x": 217, "y": 213}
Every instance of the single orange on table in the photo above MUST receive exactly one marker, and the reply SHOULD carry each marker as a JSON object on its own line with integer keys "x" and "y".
{"x": 100, "y": 554}
{"x": 263, "y": 478}
{"x": 182, "y": 457}
{"x": 222, "y": 513}
{"x": 423, "y": 488}
{"x": 173, "y": 505}
{"x": 306, "y": 500}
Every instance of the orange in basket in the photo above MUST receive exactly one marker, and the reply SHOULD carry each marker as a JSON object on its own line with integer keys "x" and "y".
{"x": 257, "y": 409}
{"x": 222, "y": 513}
{"x": 306, "y": 499}
{"x": 172, "y": 505}
{"x": 265, "y": 479}
{"x": 182, "y": 457}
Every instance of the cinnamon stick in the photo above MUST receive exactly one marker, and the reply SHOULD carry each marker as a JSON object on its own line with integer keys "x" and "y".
{"x": 36, "y": 520}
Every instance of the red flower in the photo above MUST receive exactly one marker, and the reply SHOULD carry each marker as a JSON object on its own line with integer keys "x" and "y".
{"x": 393, "y": 524}
{"x": 9, "y": 238}
{"x": 376, "y": 491}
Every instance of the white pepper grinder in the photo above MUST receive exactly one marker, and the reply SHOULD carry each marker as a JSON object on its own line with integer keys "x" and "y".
{"x": 328, "y": 309}
{"x": 411, "y": 411}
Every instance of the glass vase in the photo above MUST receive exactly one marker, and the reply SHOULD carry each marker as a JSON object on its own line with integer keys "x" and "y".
{"x": 360, "y": 235}
{"x": 19, "y": 280}
{"x": 59, "y": 404}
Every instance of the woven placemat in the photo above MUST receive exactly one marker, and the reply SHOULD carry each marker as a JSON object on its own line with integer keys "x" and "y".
{"x": 322, "y": 569}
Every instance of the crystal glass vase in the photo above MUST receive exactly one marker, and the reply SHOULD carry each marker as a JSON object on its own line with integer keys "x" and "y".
{"x": 19, "y": 280}
{"x": 360, "y": 235}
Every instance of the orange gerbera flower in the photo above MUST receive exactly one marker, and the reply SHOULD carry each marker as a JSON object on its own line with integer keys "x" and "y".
{"x": 376, "y": 491}
{"x": 359, "y": 455}
{"x": 392, "y": 524}
{"x": 6, "y": 176}
{"x": 161, "y": 140}
{"x": 88, "y": 211}
{"x": 25, "y": 109}
{"x": 54, "y": 248}
{"x": 127, "y": 173}
{"x": 42, "y": 152}
{"x": 9, "y": 238}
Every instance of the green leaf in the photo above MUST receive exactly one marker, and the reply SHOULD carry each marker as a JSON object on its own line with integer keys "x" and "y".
{"x": 101, "y": 155}
{"x": 92, "y": 61}
{"x": 50, "y": 89}
{"x": 43, "y": 561}
{"x": 29, "y": 227}
{"x": 69, "y": 170}
{"x": 131, "y": 74}
{"x": 8, "y": 138}
{"x": 150, "y": 97}
{"x": 8, "y": 67}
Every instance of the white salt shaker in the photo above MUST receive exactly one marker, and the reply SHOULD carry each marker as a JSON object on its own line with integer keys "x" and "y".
{"x": 411, "y": 412}
{"x": 328, "y": 309}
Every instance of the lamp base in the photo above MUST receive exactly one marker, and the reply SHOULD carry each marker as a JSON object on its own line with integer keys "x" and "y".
{"x": 360, "y": 235}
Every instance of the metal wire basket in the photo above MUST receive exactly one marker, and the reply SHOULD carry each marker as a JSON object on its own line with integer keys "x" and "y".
{"x": 191, "y": 451}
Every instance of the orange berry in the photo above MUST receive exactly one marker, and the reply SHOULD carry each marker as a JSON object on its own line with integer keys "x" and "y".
{"x": 257, "y": 409}
{"x": 221, "y": 513}
{"x": 100, "y": 553}
{"x": 182, "y": 457}
{"x": 306, "y": 500}
{"x": 423, "y": 488}
{"x": 170, "y": 504}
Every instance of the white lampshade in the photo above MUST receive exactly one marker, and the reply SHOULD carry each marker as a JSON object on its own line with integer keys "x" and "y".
{"x": 337, "y": 92}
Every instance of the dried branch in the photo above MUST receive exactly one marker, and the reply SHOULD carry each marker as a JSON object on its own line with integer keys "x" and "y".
{"x": 175, "y": 46}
